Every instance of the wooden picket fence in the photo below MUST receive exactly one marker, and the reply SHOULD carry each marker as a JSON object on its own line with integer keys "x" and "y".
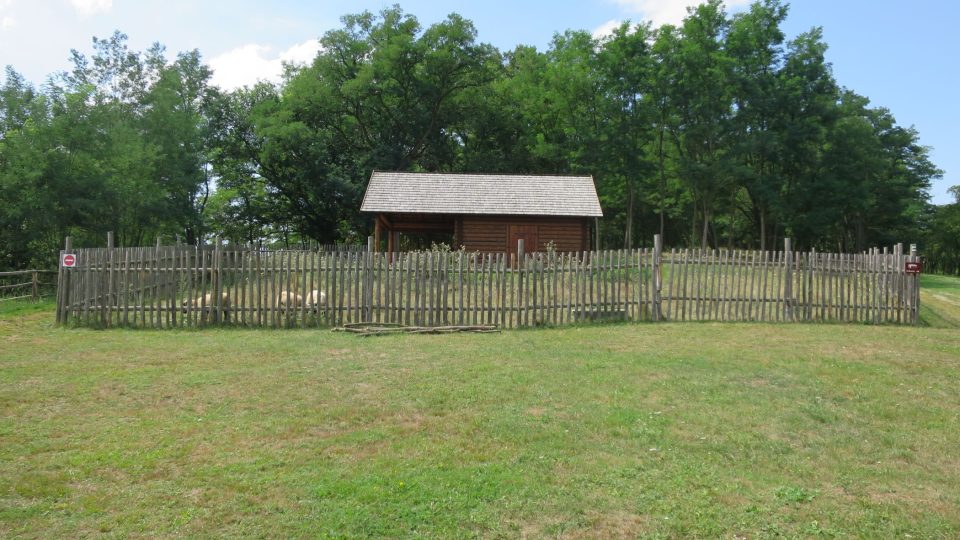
{"x": 188, "y": 286}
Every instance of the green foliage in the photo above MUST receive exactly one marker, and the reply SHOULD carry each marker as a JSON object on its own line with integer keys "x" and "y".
{"x": 382, "y": 94}
{"x": 942, "y": 238}
{"x": 719, "y": 131}
{"x": 117, "y": 144}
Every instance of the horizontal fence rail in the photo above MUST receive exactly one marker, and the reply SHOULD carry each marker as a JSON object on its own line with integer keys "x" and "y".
{"x": 178, "y": 286}
{"x": 25, "y": 284}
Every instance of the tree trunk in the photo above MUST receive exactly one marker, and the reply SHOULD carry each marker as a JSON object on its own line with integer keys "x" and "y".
{"x": 861, "y": 234}
{"x": 663, "y": 184}
{"x": 706, "y": 226}
{"x": 693, "y": 223}
{"x": 763, "y": 229}
{"x": 730, "y": 230}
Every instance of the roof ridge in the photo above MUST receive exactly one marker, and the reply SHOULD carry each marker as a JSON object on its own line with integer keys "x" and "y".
{"x": 551, "y": 175}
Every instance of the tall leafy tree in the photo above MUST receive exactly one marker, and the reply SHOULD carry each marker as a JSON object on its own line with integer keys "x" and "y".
{"x": 755, "y": 46}
{"x": 626, "y": 66}
{"x": 703, "y": 100}
{"x": 243, "y": 209}
{"x": 942, "y": 238}
{"x": 382, "y": 94}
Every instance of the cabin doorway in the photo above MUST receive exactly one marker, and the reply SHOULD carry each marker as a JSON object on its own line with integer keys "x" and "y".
{"x": 528, "y": 233}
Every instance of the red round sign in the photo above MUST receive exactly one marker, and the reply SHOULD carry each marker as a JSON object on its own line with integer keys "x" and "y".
{"x": 69, "y": 260}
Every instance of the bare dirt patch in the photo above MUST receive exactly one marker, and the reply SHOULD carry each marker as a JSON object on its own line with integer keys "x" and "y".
{"x": 620, "y": 525}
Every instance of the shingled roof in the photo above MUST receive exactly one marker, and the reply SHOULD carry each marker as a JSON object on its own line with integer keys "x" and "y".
{"x": 492, "y": 194}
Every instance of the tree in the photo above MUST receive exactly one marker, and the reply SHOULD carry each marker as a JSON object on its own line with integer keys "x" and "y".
{"x": 703, "y": 100}
{"x": 942, "y": 238}
{"x": 755, "y": 45}
{"x": 175, "y": 122}
{"x": 626, "y": 65}
{"x": 242, "y": 209}
{"x": 382, "y": 94}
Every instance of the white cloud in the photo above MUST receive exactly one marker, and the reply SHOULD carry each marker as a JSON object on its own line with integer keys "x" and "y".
{"x": 668, "y": 11}
{"x": 245, "y": 65}
{"x": 87, "y": 8}
{"x": 606, "y": 28}
{"x": 6, "y": 21}
{"x": 301, "y": 53}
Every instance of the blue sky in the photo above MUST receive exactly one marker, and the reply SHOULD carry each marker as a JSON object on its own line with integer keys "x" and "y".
{"x": 902, "y": 55}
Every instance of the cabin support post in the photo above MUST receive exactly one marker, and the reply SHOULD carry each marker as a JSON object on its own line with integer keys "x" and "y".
{"x": 596, "y": 228}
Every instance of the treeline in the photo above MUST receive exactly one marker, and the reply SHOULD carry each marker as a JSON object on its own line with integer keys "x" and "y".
{"x": 718, "y": 132}
{"x": 941, "y": 235}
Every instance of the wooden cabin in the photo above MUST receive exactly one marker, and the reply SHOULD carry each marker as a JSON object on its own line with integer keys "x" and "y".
{"x": 484, "y": 212}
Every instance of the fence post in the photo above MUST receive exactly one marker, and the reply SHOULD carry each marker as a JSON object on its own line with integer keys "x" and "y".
{"x": 368, "y": 280}
{"x": 217, "y": 286}
{"x": 106, "y": 302}
{"x": 900, "y": 279}
{"x": 36, "y": 286}
{"x": 63, "y": 285}
{"x": 518, "y": 283}
{"x": 787, "y": 280}
{"x": 657, "y": 278}
{"x": 915, "y": 288}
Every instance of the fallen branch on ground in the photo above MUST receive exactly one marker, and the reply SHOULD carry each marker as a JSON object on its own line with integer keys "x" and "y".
{"x": 379, "y": 329}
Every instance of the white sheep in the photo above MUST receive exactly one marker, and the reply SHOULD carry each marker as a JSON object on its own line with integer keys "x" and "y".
{"x": 288, "y": 300}
{"x": 316, "y": 300}
{"x": 206, "y": 302}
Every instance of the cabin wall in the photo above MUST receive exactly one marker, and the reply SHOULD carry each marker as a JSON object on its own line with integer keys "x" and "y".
{"x": 492, "y": 233}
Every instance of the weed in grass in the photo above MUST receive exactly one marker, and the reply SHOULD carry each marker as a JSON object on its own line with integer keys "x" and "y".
{"x": 795, "y": 494}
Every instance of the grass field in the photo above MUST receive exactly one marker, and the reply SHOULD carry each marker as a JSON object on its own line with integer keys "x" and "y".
{"x": 654, "y": 430}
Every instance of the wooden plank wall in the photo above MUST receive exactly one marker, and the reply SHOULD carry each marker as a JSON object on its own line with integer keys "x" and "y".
{"x": 490, "y": 233}
{"x": 181, "y": 286}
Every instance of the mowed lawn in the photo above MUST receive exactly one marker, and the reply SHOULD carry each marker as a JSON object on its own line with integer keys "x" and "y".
{"x": 653, "y": 430}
